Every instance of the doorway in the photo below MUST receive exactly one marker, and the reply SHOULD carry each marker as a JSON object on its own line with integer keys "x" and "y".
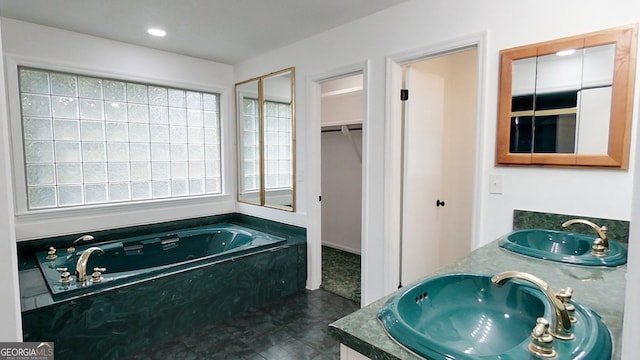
{"x": 438, "y": 162}
{"x": 341, "y": 183}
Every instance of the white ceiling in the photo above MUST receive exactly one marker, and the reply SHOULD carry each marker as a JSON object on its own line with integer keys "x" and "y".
{"x": 226, "y": 31}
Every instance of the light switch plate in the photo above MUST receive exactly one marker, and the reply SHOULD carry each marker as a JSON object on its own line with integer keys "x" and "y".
{"x": 495, "y": 184}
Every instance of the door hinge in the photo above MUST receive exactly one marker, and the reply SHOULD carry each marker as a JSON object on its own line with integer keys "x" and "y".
{"x": 404, "y": 94}
{"x": 319, "y": 197}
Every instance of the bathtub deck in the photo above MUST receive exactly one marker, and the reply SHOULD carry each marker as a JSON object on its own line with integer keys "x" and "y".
{"x": 294, "y": 327}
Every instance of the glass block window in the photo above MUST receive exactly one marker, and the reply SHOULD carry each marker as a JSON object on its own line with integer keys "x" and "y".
{"x": 277, "y": 145}
{"x": 251, "y": 145}
{"x": 90, "y": 140}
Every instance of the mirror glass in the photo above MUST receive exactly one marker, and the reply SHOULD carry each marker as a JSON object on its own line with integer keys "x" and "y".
{"x": 249, "y": 179}
{"x": 278, "y": 140}
{"x": 560, "y": 102}
{"x": 568, "y": 101}
{"x": 266, "y": 140}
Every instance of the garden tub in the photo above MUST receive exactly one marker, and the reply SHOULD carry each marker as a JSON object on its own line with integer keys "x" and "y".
{"x": 140, "y": 257}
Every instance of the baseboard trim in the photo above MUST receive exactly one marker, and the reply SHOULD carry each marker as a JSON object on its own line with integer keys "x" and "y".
{"x": 341, "y": 247}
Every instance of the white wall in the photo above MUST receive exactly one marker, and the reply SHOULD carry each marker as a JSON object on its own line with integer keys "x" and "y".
{"x": 35, "y": 45}
{"x": 631, "y": 326}
{"x": 11, "y": 329}
{"x": 343, "y": 109}
{"x": 24, "y": 43}
{"x": 341, "y": 104}
{"x": 413, "y": 25}
{"x": 341, "y": 190}
{"x": 422, "y": 24}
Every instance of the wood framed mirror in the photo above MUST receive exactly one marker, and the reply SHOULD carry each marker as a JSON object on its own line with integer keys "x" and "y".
{"x": 265, "y": 108}
{"x": 568, "y": 102}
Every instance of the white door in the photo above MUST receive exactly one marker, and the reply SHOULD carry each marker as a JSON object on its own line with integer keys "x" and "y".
{"x": 422, "y": 183}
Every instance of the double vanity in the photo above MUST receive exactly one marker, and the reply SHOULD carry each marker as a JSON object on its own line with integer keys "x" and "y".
{"x": 554, "y": 290}
{"x": 533, "y": 293}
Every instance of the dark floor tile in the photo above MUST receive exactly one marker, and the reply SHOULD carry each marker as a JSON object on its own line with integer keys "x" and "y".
{"x": 232, "y": 349}
{"x": 297, "y": 350}
{"x": 327, "y": 356}
{"x": 291, "y": 328}
{"x": 255, "y": 357}
{"x": 172, "y": 350}
{"x": 341, "y": 273}
{"x": 275, "y": 352}
{"x": 318, "y": 338}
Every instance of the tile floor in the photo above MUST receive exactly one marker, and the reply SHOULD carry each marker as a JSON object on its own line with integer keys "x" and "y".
{"x": 341, "y": 273}
{"x": 293, "y": 328}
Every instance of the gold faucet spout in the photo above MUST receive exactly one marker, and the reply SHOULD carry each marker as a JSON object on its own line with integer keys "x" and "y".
{"x": 561, "y": 322}
{"x": 81, "y": 266}
{"x": 600, "y": 230}
{"x": 72, "y": 248}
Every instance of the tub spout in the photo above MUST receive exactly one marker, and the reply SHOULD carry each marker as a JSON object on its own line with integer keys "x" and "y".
{"x": 561, "y": 322}
{"x": 72, "y": 248}
{"x": 81, "y": 266}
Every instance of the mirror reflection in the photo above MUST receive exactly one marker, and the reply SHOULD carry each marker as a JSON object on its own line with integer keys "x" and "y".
{"x": 266, "y": 140}
{"x": 568, "y": 101}
{"x": 249, "y": 178}
{"x": 278, "y": 139}
{"x": 560, "y": 102}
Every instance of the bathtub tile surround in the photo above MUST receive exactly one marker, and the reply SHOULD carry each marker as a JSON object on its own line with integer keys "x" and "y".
{"x": 524, "y": 219}
{"x": 294, "y": 327}
{"x": 114, "y": 322}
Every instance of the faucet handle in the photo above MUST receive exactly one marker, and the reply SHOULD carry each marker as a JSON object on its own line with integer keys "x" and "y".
{"x": 598, "y": 249}
{"x": 65, "y": 275}
{"x": 541, "y": 328}
{"x": 565, "y": 296}
{"x": 541, "y": 343}
{"x": 97, "y": 274}
{"x": 51, "y": 254}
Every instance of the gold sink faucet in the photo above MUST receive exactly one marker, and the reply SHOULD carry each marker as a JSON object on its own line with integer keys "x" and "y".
{"x": 560, "y": 326}
{"x": 601, "y": 230}
{"x": 81, "y": 266}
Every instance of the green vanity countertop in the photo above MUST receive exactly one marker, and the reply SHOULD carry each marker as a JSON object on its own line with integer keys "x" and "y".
{"x": 600, "y": 289}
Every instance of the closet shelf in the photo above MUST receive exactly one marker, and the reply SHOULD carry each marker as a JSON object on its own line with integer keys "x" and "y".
{"x": 342, "y": 122}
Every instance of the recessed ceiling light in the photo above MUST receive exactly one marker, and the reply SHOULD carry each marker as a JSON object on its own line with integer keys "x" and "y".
{"x": 566, "y": 52}
{"x": 156, "y": 32}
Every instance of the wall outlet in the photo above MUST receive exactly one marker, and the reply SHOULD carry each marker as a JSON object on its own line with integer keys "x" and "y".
{"x": 495, "y": 184}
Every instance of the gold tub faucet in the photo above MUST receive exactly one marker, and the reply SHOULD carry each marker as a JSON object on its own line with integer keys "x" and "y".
{"x": 72, "y": 248}
{"x": 81, "y": 266}
{"x": 601, "y": 230}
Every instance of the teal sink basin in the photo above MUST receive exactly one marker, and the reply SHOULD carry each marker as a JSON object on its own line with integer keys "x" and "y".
{"x": 466, "y": 316}
{"x": 562, "y": 246}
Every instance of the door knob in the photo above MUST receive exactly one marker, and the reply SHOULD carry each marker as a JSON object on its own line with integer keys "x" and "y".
{"x": 439, "y": 203}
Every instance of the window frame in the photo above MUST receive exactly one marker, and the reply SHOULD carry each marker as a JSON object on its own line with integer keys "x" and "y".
{"x": 197, "y": 202}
